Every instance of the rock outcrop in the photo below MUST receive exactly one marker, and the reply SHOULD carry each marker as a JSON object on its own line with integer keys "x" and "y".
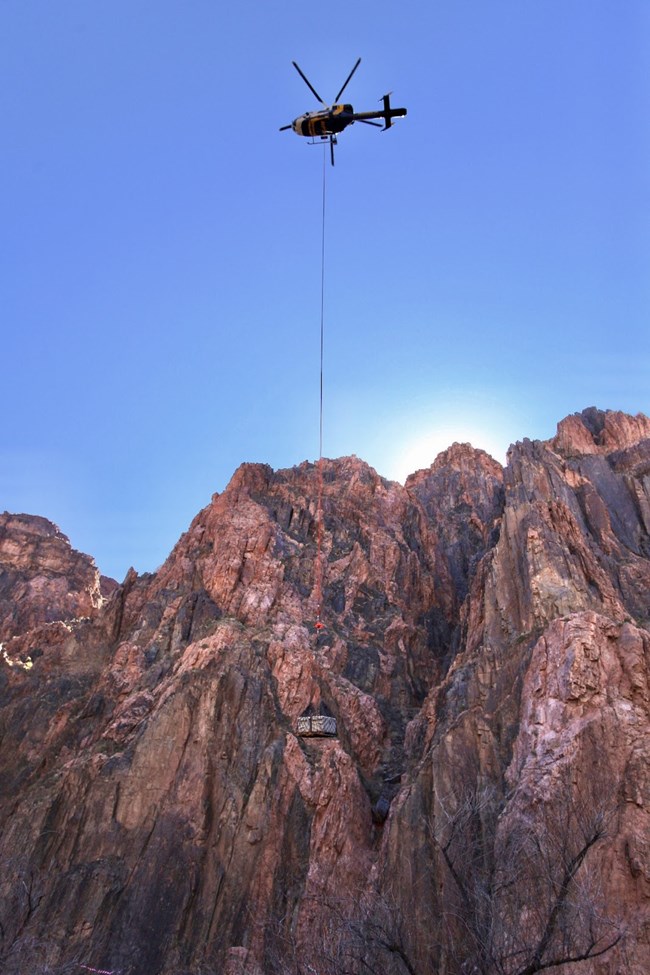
{"x": 486, "y": 656}
{"x": 42, "y": 578}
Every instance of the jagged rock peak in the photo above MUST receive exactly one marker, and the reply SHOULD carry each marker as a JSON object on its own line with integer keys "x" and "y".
{"x": 595, "y": 431}
{"x": 256, "y": 479}
{"x": 459, "y": 456}
{"x": 348, "y": 468}
{"x": 42, "y": 578}
{"x": 249, "y": 477}
{"x": 22, "y": 536}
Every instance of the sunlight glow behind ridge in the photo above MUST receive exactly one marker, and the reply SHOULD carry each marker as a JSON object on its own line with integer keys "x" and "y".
{"x": 420, "y": 448}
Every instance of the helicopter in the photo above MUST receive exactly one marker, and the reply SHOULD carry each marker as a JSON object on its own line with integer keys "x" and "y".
{"x": 326, "y": 123}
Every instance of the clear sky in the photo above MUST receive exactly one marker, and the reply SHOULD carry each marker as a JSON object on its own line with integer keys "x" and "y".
{"x": 487, "y": 260}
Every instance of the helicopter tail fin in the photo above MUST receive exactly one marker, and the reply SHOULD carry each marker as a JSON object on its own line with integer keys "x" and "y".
{"x": 388, "y": 121}
{"x": 390, "y": 113}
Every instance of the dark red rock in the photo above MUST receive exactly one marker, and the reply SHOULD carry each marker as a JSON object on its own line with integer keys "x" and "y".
{"x": 485, "y": 631}
{"x": 42, "y": 578}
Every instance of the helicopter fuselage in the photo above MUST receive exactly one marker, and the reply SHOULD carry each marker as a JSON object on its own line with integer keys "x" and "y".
{"x": 329, "y": 121}
{"x": 325, "y": 122}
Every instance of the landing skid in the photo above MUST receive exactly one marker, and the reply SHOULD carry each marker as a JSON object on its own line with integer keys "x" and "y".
{"x": 318, "y": 140}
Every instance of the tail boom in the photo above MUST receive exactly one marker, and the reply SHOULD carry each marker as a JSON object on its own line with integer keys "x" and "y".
{"x": 388, "y": 114}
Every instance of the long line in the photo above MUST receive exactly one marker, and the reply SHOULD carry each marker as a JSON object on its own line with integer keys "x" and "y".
{"x": 319, "y": 511}
{"x": 322, "y": 311}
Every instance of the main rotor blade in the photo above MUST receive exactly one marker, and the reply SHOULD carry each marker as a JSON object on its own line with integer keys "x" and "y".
{"x": 365, "y": 121}
{"x": 345, "y": 84}
{"x": 308, "y": 83}
{"x": 283, "y": 128}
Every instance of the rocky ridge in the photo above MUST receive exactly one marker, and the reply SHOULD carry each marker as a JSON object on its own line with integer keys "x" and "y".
{"x": 43, "y": 578}
{"x": 486, "y": 656}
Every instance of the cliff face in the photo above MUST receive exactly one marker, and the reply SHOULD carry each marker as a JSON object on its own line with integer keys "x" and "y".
{"x": 42, "y": 578}
{"x": 485, "y": 654}
{"x": 540, "y": 727}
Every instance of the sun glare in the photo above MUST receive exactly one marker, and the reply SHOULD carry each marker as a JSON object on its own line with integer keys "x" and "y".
{"x": 397, "y": 444}
{"x": 419, "y": 449}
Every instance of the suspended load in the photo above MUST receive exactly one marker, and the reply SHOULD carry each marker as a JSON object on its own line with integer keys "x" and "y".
{"x": 316, "y": 724}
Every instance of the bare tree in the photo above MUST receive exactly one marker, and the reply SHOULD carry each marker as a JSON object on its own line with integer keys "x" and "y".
{"x": 523, "y": 895}
{"x": 359, "y": 935}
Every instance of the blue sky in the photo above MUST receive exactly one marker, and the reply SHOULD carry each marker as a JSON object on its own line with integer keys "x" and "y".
{"x": 486, "y": 260}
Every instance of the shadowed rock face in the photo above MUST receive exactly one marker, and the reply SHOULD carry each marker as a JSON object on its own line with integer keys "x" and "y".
{"x": 483, "y": 628}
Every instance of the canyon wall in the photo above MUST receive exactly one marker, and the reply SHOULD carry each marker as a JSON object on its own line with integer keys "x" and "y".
{"x": 485, "y": 805}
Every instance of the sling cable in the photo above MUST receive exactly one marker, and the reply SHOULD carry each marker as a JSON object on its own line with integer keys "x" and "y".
{"x": 326, "y": 124}
{"x": 319, "y": 505}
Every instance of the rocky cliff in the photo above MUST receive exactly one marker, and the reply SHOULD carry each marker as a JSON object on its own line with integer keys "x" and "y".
{"x": 42, "y": 578}
{"x": 485, "y": 806}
